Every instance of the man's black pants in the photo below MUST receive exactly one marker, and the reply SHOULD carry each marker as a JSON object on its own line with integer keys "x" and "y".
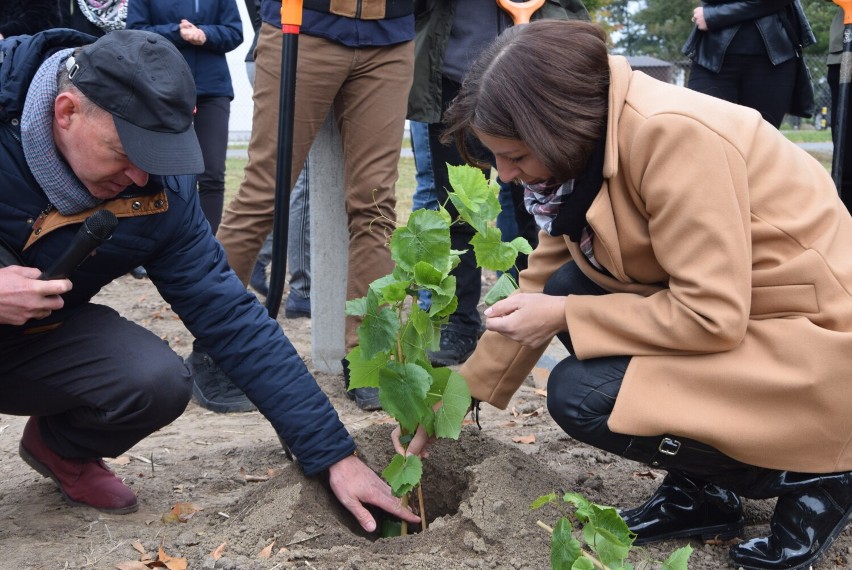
{"x": 101, "y": 383}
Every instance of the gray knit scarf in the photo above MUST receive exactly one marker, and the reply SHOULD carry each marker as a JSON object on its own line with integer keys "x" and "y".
{"x": 108, "y": 15}
{"x": 53, "y": 174}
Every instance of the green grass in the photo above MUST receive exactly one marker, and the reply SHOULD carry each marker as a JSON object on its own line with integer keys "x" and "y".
{"x": 404, "y": 187}
{"x": 808, "y": 135}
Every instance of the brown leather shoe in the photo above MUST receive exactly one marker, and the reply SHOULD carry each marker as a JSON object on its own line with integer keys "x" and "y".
{"x": 85, "y": 482}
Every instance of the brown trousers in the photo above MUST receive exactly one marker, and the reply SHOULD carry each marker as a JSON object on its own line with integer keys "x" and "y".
{"x": 367, "y": 89}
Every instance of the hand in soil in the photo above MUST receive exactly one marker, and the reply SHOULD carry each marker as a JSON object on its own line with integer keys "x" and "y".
{"x": 353, "y": 483}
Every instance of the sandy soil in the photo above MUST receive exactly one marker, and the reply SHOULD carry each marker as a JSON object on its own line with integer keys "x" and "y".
{"x": 246, "y": 506}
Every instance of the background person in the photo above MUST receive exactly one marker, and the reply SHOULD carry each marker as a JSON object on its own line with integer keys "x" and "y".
{"x": 82, "y": 133}
{"x": 741, "y": 52}
{"x": 19, "y": 17}
{"x": 93, "y": 17}
{"x": 353, "y": 61}
{"x": 695, "y": 264}
{"x": 203, "y": 32}
{"x": 449, "y": 37}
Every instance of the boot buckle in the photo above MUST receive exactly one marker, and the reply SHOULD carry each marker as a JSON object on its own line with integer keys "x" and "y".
{"x": 669, "y": 446}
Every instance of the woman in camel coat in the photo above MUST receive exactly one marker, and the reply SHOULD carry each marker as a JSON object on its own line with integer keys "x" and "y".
{"x": 697, "y": 266}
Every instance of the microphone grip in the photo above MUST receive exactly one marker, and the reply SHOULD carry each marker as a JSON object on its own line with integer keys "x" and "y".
{"x": 95, "y": 230}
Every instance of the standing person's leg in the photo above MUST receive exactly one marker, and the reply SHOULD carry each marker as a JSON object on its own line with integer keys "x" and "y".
{"x": 299, "y": 249}
{"x": 211, "y": 127}
{"x": 247, "y": 220}
{"x": 370, "y": 113}
{"x": 768, "y": 88}
{"x": 459, "y": 336}
{"x": 723, "y": 85}
{"x": 424, "y": 193}
{"x": 90, "y": 396}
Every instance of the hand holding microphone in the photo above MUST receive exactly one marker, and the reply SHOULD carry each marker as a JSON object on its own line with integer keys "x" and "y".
{"x": 95, "y": 230}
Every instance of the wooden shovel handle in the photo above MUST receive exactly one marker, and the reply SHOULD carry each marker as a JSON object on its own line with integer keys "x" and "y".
{"x": 521, "y": 11}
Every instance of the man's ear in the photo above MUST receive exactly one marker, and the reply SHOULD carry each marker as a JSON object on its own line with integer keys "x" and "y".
{"x": 65, "y": 107}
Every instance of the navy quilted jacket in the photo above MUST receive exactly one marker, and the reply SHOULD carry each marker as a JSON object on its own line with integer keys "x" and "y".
{"x": 163, "y": 228}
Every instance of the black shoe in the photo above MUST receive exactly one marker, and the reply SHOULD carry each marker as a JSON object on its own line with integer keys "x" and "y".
{"x": 297, "y": 307}
{"x": 366, "y": 398}
{"x": 456, "y": 346}
{"x": 258, "y": 279}
{"x": 682, "y": 507}
{"x": 212, "y": 390}
{"x": 139, "y": 272}
{"x": 804, "y": 526}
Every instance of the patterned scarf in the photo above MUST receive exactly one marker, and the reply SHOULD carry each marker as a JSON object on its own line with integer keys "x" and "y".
{"x": 108, "y": 15}
{"x": 543, "y": 201}
{"x": 53, "y": 174}
{"x": 560, "y": 208}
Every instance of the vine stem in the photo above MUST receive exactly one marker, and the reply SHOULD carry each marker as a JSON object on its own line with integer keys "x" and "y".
{"x": 422, "y": 507}
{"x": 597, "y": 563}
{"x": 403, "y": 529}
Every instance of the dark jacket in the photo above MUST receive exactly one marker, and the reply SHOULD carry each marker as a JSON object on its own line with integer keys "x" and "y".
{"x": 163, "y": 228}
{"x": 433, "y": 24}
{"x": 219, "y": 19}
{"x": 27, "y": 16}
{"x": 72, "y": 17}
{"x": 724, "y": 19}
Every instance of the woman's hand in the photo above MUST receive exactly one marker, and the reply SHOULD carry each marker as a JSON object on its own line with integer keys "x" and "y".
{"x": 418, "y": 445}
{"x": 192, "y": 34}
{"x": 531, "y": 319}
{"x": 698, "y": 18}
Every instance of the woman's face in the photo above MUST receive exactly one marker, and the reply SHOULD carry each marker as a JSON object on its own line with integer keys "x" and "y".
{"x": 514, "y": 160}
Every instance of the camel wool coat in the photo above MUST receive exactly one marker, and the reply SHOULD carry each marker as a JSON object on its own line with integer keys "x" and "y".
{"x": 731, "y": 261}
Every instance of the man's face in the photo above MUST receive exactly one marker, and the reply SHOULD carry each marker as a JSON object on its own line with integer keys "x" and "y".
{"x": 88, "y": 141}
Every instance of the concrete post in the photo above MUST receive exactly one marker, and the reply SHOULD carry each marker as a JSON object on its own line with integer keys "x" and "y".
{"x": 329, "y": 249}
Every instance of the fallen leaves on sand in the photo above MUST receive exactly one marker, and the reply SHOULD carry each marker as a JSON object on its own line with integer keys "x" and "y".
{"x": 524, "y": 438}
{"x": 181, "y": 512}
{"x": 162, "y": 560}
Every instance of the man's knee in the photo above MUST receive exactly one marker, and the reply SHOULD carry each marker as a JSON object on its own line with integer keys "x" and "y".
{"x": 161, "y": 392}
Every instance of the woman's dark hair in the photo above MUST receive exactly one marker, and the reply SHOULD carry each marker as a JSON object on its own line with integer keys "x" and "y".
{"x": 546, "y": 84}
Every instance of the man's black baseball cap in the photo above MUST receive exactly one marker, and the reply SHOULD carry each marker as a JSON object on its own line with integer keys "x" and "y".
{"x": 143, "y": 81}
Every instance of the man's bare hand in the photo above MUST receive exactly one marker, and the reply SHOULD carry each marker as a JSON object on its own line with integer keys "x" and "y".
{"x": 23, "y": 297}
{"x": 354, "y": 484}
{"x": 531, "y": 319}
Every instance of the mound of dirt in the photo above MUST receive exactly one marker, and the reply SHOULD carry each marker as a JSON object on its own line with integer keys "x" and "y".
{"x": 245, "y": 506}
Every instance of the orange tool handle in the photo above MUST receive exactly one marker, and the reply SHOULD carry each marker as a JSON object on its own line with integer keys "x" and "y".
{"x": 847, "y": 10}
{"x": 521, "y": 11}
{"x": 291, "y": 16}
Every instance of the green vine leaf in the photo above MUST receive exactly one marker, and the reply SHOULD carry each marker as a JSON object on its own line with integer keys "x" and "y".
{"x": 493, "y": 253}
{"x": 501, "y": 289}
{"x": 363, "y": 372}
{"x": 678, "y": 559}
{"x": 474, "y": 197}
{"x": 544, "y": 500}
{"x": 450, "y": 388}
{"x": 403, "y": 474}
{"x": 425, "y": 239}
{"x": 402, "y": 392}
{"x": 607, "y": 534}
{"x": 564, "y": 548}
{"x": 377, "y": 332}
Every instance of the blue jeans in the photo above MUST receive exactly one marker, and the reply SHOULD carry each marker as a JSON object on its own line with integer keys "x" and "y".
{"x": 298, "y": 239}
{"x": 424, "y": 193}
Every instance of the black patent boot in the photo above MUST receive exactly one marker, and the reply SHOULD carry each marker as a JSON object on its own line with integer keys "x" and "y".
{"x": 683, "y": 507}
{"x": 693, "y": 499}
{"x": 811, "y": 511}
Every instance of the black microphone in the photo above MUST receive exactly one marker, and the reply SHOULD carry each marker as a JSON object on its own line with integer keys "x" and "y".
{"x": 95, "y": 230}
